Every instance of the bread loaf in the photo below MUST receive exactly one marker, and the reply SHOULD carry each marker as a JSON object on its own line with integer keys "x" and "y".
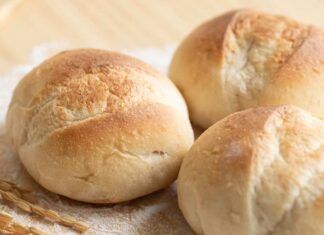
{"x": 98, "y": 126}
{"x": 244, "y": 59}
{"x": 256, "y": 172}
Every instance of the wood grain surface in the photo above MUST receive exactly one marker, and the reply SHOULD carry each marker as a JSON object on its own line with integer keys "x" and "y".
{"x": 121, "y": 24}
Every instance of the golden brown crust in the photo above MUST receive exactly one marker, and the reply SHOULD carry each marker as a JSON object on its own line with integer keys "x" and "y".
{"x": 77, "y": 64}
{"x": 228, "y": 63}
{"x": 94, "y": 119}
{"x": 258, "y": 171}
{"x": 80, "y": 84}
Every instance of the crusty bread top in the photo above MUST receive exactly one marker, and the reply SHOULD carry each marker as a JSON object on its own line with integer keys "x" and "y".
{"x": 108, "y": 126}
{"x": 258, "y": 171}
{"x": 80, "y": 84}
{"x": 246, "y": 58}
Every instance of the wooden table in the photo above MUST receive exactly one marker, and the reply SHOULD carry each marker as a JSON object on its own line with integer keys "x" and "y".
{"x": 120, "y": 24}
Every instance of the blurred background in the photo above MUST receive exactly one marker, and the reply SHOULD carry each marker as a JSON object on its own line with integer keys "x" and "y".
{"x": 120, "y": 24}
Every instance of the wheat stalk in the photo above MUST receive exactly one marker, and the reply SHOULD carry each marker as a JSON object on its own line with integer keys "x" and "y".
{"x": 44, "y": 213}
{"x": 9, "y": 226}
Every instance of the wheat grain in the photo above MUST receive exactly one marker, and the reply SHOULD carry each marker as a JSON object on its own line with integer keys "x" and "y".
{"x": 5, "y": 219}
{"x": 35, "y": 231}
{"x": 8, "y": 226}
{"x": 44, "y": 213}
{"x": 80, "y": 226}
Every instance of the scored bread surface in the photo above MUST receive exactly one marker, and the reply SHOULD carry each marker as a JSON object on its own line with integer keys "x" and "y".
{"x": 99, "y": 126}
{"x": 244, "y": 59}
{"x": 258, "y": 171}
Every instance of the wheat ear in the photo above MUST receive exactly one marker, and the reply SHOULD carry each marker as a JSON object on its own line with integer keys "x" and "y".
{"x": 44, "y": 213}
{"x": 9, "y": 226}
{"x": 11, "y": 187}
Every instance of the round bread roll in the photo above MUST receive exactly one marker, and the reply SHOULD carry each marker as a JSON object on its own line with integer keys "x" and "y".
{"x": 98, "y": 126}
{"x": 258, "y": 171}
{"x": 245, "y": 59}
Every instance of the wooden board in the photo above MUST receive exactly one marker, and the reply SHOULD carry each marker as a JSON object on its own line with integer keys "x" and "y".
{"x": 121, "y": 24}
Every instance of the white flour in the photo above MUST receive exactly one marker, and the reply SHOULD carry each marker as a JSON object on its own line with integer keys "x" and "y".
{"x": 157, "y": 213}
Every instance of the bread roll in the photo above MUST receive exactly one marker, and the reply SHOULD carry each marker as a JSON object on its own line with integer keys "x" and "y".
{"x": 258, "y": 171}
{"x": 99, "y": 126}
{"x": 245, "y": 59}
